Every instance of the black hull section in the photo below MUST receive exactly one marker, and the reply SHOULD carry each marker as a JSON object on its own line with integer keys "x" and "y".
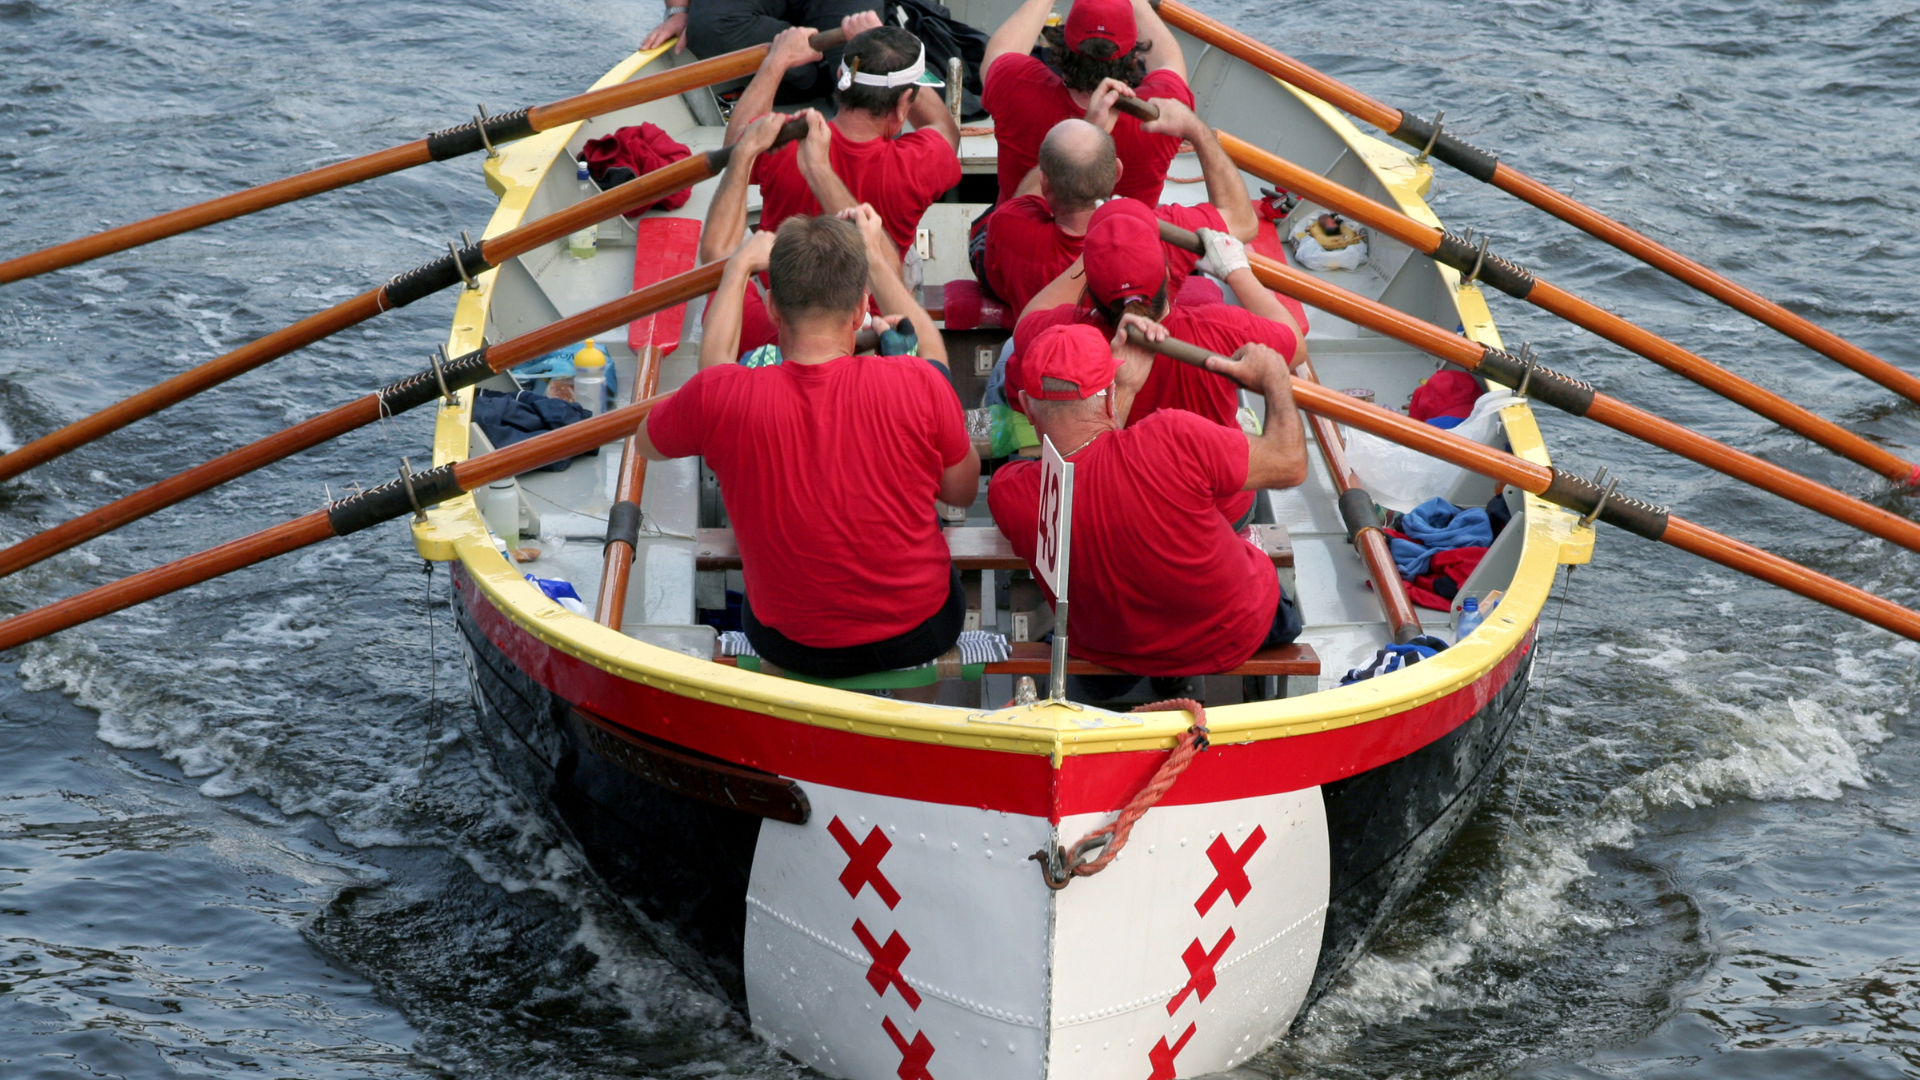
{"x": 1388, "y": 827}
{"x": 685, "y": 863}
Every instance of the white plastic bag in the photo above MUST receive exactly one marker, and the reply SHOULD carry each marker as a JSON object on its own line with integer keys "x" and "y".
{"x": 1308, "y": 252}
{"x": 1401, "y": 479}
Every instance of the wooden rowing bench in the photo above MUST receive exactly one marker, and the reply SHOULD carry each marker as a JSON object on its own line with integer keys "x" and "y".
{"x": 1036, "y": 658}
{"x": 981, "y": 548}
{"x": 973, "y": 547}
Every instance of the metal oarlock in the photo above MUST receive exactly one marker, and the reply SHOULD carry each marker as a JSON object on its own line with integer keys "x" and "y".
{"x": 438, "y": 357}
{"x": 1526, "y": 356}
{"x": 1479, "y": 259}
{"x": 480, "y": 125}
{"x": 406, "y": 481}
{"x": 1605, "y": 494}
{"x": 460, "y": 267}
{"x": 955, "y": 91}
{"x": 1431, "y": 139}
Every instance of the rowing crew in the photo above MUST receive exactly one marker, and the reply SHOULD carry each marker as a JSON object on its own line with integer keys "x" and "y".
{"x": 828, "y": 462}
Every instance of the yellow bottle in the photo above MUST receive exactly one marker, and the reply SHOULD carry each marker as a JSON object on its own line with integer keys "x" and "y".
{"x": 590, "y": 378}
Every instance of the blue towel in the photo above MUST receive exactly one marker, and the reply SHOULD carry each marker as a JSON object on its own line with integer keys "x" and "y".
{"x": 1435, "y": 526}
{"x": 512, "y": 418}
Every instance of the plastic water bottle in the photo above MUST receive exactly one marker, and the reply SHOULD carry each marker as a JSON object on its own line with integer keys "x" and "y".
{"x": 580, "y": 244}
{"x": 500, "y": 506}
{"x": 590, "y": 378}
{"x": 1470, "y": 618}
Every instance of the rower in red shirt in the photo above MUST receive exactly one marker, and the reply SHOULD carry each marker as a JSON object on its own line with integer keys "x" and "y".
{"x": 1106, "y": 49}
{"x": 861, "y": 156}
{"x": 1034, "y": 237}
{"x": 1162, "y": 585}
{"x": 864, "y": 154}
{"x": 829, "y": 463}
{"x": 1127, "y": 271}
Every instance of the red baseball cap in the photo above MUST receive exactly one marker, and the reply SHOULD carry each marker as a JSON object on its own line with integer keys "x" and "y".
{"x": 1124, "y": 257}
{"x": 1076, "y": 353}
{"x": 1108, "y": 20}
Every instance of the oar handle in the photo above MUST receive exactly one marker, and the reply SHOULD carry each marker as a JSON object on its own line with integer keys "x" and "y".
{"x": 1138, "y": 108}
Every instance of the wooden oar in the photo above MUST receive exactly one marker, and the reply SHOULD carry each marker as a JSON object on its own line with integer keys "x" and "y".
{"x": 623, "y": 518}
{"x": 1571, "y": 395}
{"x": 1575, "y": 493}
{"x": 1363, "y": 525}
{"x": 1456, "y": 252}
{"x": 410, "y": 392}
{"x": 450, "y": 269}
{"x": 1483, "y": 166}
{"x": 395, "y": 498}
{"x": 439, "y": 146}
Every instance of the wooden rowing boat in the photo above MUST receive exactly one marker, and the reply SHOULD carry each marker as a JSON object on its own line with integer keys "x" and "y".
{"x": 853, "y": 868}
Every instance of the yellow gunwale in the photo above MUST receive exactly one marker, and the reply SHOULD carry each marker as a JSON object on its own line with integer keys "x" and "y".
{"x": 455, "y": 530}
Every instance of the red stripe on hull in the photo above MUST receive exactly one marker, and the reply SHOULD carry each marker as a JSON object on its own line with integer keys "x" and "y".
{"x": 953, "y": 775}
{"x": 964, "y": 776}
{"x": 1094, "y": 782}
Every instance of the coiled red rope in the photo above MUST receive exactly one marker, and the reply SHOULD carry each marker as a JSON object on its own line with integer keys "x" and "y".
{"x": 1060, "y": 866}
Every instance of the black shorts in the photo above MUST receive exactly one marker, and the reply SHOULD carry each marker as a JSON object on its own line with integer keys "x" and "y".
{"x": 909, "y": 649}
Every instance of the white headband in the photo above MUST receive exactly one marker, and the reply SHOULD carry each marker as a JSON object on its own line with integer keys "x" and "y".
{"x": 906, "y": 76}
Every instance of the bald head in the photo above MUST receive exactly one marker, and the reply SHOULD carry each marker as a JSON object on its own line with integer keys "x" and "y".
{"x": 1078, "y": 160}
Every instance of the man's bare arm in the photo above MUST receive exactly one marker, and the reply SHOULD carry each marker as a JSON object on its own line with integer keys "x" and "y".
{"x": 789, "y": 50}
{"x": 726, "y": 308}
{"x": 1277, "y": 457}
{"x": 890, "y": 292}
{"x": 1225, "y": 189}
{"x": 960, "y": 482}
{"x": 816, "y": 167}
{"x": 929, "y": 113}
{"x": 1017, "y": 34}
{"x": 1165, "y": 53}
{"x": 726, "y": 220}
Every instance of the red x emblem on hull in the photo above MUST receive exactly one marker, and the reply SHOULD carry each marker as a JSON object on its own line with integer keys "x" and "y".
{"x": 887, "y": 958}
{"x": 1162, "y": 1055}
{"x": 1200, "y": 962}
{"x": 915, "y": 1055}
{"x": 1229, "y": 869}
{"x": 863, "y": 862}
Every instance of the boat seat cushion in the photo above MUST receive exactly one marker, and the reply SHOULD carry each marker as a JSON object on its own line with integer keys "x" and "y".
{"x": 1035, "y": 658}
{"x": 973, "y": 548}
{"x": 962, "y": 305}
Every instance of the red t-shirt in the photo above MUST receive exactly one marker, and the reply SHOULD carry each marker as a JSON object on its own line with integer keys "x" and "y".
{"x": 829, "y": 473}
{"x": 1220, "y": 328}
{"x": 900, "y": 177}
{"x": 1026, "y": 99}
{"x": 1160, "y": 584}
{"x": 1026, "y": 250}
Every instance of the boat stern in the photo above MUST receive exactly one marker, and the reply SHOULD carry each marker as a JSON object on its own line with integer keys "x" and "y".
{"x": 895, "y": 937}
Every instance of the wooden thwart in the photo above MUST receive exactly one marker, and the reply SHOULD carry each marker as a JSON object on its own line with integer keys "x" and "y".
{"x": 974, "y": 548}
{"x": 1033, "y": 657}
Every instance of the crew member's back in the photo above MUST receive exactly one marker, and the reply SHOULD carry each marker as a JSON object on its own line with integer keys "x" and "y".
{"x": 829, "y": 464}
{"x": 1160, "y": 583}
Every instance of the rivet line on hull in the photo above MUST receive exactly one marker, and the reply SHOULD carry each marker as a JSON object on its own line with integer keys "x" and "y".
{"x": 918, "y": 984}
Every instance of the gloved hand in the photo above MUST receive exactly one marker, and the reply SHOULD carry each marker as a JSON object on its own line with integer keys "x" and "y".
{"x": 1223, "y": 255}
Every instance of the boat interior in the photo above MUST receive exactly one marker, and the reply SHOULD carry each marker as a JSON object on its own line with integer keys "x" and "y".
{"x": 684, "y": 573}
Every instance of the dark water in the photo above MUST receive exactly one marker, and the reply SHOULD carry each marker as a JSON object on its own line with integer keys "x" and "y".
{"x": 243, "y": 831}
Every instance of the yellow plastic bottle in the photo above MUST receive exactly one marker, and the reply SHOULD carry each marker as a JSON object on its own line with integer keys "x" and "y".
{"x": 590, "y": 378}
